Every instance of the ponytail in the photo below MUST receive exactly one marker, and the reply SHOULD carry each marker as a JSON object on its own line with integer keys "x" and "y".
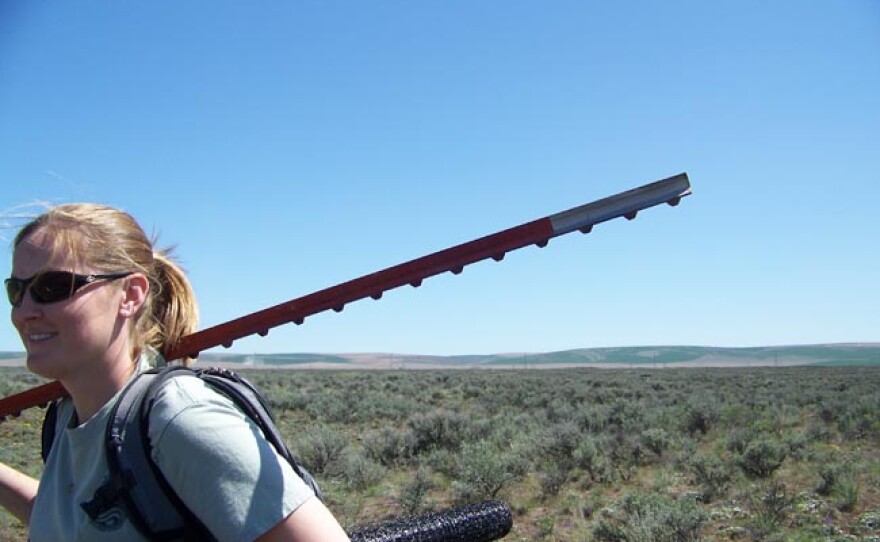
{"x": 173, "y": 311}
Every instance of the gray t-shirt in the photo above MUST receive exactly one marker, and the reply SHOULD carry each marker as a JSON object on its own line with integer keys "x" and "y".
{"x": 213, "y": 456}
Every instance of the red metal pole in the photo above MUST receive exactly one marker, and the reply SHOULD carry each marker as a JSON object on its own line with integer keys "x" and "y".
{"x": 454, "y": 259}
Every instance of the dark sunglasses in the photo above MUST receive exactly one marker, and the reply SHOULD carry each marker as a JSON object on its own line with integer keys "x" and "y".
{"x": 52, "y": 286}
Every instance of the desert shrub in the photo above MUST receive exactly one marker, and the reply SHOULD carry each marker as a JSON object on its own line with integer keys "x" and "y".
{"x": 625, "y": 415}
{"x": 738, "y": 439}
{"x": 592, "y": 418}
{"x": 712, "y": 476}
{"x": 554, "y": 455}
{"x": 286, "y": 399}
{"x": 651, "y": 518}
{"x": 607, "y": 531}
{"x": 361, "y": 472}
{"x": 762, "y": 457}
{"x": 826, "y": 412}
{"x": 485, "y": 471}
{"x": 624, "y": 452}
{"x": 443, "y": 461}
{"x": 860, "y": 419}
{"x": 378, "y": 406}
{"x": 736, "y": 415}
{"x": 829, "y": 473}
{"x": 514, "y": 429}
{"x": 321, "y": 450}
{"x": 560, "y": 410}
{"x": 412, "y": 496}
{"x": 656, "y": 440}
{"x": 846, "y": 491}
{"x": 818, "y": 432}
{"x": 556, "y": 442}
{"x": 660, "y": 416}
{"x": 388, "y": 446}
{"x": 551, "y": 479}
{"x": 687, "y": 448}
{"x": 16, "y": 380}
{"x": 700, "y": 416}
{"x": 438, "y": 429}
{"x": 769, "y": 421}
{"x": 589, "y": 456}
{"x": 770, "y": 507}
{"x": 796, "y": 445}
{"x": 332, "y": 407}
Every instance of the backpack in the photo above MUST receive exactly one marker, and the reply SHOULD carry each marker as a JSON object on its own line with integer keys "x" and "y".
{"x": 135, "y": 481}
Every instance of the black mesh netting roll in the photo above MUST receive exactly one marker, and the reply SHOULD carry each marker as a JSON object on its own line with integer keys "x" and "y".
{"x": 489, "y": 520}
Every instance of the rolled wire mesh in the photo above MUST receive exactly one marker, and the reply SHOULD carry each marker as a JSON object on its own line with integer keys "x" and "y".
{"x": 479, "y": 522}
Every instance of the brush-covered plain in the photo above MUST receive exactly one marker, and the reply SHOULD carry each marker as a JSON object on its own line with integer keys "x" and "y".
{"x": 579, "y": 454}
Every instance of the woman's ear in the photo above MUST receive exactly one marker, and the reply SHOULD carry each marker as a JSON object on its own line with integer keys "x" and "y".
{"x": 134, "y": 294}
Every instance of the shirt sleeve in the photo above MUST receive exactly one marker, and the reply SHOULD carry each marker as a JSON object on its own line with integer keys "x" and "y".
{"x": 218, "y": 462}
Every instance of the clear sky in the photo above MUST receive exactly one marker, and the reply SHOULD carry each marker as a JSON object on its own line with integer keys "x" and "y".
{"x": 286, "y": 146}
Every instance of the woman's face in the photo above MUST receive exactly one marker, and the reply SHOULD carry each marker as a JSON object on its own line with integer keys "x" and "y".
{"x": 70, "y": 336}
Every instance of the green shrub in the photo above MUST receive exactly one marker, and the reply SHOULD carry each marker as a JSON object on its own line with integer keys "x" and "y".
{"x": 438, "y": 429}
{"x": 551, "y": 479}
{"x": 818, "y": 432}
{"x": 16, "y": 380}
{"x": 656, "y": 440}
{"x": 829, "y": 475}
{"x": 626, "y": 415}
{"x": 321, "y": 451}
{"x": 593, "y": 418}
{"x": 860, "y": 419}
{"x": 652, "y": 518}
{"x": 361, "y": 472}
{"x": 770, "y": 507}
{"x": 796, "y": 445}
{"x": 606, "y": 531}
{"x": 560, "y": 410}
{"x": 701, "y": 416}
{"x": 738, "y": 439}
{"x": 445, "y": 462}
{"x": 333, "y": 407}
{"x": 388, "y": 446}
{"x": 486, "y": 470}
{"x": 412, "y": 496}
{"x": 762, "y": 457}
{"x": 288, "y": 399}
{"x": 555, "y": 445}
{"x": 712, "y": 475}
{"x": 846, "y": 491}
{"x": 589, "y": 457}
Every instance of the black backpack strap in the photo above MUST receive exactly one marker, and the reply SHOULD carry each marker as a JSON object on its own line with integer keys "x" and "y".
{"x": 255, "y": 406}
{"x": 133, "y": 480}
{"x": 172, "y": 517}
{"x": 47, "y": 433}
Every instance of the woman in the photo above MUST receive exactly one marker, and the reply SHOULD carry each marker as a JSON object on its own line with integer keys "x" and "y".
{"x": 93, "y": 304}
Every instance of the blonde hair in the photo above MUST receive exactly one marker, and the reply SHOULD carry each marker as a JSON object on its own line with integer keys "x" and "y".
{"x": 111, "y": 241}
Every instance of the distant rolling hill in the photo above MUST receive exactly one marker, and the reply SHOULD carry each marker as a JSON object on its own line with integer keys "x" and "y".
{"x": 854, "y": 354}
{"x": 620, "y": 357}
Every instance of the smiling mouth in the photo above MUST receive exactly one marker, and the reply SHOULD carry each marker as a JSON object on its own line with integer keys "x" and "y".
{"x": 39, "y": 337}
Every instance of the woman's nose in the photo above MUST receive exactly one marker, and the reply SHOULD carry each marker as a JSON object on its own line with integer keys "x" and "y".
{"x": 26, "y": 310}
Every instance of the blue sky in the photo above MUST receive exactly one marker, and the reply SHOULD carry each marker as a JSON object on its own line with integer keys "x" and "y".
{"x": 286, "y": 146}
